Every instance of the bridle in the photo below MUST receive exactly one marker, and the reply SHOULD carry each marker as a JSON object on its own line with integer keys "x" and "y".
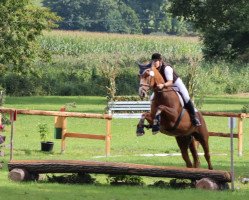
{"x": 148, "y": 82}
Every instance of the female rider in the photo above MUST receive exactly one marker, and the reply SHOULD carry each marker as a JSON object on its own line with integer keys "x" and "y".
{"x": 173, "y": 80}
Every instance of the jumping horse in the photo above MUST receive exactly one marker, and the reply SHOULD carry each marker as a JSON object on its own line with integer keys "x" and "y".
{"x": 173, "y": 120}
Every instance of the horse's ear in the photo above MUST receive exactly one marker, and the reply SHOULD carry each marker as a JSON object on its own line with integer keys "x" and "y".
{"x": 143, "y": 67}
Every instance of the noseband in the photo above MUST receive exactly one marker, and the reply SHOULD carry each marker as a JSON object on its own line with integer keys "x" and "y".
{"x": 146, "y": 86}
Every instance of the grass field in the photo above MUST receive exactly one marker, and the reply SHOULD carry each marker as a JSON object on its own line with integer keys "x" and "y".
{"x": 125, "y": 147}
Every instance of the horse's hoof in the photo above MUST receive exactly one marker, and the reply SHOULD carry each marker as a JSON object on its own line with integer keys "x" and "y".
{"x": 155, "y": 128}
{"x": 140, "y": 131}
{"x": 154, "y": 133}
{"x": 140, "y": 134}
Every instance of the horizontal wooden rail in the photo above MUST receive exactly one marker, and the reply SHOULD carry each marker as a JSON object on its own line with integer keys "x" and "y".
{"x": 222, "y": 134}
{"x": 221, "y": 114}
{"x": 56, "y": 113}
{"x": 84, "y": 135}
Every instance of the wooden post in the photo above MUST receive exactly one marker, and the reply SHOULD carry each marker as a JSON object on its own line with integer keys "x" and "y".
{"x": 108, "y": 138}
{"x": 64, "y": 129}
{"x": 62, "y": 124}
{"x": 240, "y": 135}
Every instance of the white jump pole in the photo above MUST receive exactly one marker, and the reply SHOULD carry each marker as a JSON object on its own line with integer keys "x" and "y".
{"x": 232, "y": 125}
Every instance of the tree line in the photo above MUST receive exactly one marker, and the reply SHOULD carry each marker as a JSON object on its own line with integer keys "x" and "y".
{"x": 223, "y": 25}
{"x": 118, "y": 16}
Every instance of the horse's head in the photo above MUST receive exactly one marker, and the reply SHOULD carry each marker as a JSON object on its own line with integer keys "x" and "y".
{"x": 149, "y": 78}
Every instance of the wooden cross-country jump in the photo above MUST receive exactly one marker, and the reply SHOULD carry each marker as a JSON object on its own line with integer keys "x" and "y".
{"x": 22, "y": 169}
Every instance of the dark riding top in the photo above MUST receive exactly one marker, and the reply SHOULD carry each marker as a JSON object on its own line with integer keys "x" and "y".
{"x": 161, "y": 70}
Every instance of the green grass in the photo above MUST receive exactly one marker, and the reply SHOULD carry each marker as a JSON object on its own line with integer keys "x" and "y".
{"x": 125, "y": 147}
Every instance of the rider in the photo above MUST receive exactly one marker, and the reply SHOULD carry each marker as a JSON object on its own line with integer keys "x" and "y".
{"x": 173, "y": 80}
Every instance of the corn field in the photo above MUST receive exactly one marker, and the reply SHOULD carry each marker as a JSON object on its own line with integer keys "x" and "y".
{"x": 87, "y": 44}
{"x": 79, "y": 60}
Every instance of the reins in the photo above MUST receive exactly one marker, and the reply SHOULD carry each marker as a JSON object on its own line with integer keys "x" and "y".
{"x": 166, "y": 90}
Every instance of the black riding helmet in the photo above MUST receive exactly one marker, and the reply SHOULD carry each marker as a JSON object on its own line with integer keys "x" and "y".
{"x": 156, "y": 56}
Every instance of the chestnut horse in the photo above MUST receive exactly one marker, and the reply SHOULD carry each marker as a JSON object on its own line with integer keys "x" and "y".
{"x": 174, "y": 121}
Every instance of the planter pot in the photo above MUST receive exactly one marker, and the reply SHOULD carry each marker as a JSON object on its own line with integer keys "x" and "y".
{"x": 47, "y": 146}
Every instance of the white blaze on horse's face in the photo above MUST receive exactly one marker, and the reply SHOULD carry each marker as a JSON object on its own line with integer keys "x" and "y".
{"x": 152, "y": 73}
{"x": 145, "y": 83}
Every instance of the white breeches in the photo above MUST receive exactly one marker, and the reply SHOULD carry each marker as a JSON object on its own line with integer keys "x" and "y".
{"x": 182, "y": 88}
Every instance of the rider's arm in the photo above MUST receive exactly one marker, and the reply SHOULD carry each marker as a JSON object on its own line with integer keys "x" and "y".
{"x": 168, "y": 71}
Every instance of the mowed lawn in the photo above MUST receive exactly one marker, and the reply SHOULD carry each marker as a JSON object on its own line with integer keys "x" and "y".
{"x": 125, "y": 147}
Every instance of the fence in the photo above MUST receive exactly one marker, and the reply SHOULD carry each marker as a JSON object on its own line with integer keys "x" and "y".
{"x": 239, "y": 134}
{"x": 107, "y": 136}
{"x": 64, "y": 115}
{"x": 134, "y": 109}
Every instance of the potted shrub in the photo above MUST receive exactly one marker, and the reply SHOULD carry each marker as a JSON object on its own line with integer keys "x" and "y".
{"x": 45, "y": 144}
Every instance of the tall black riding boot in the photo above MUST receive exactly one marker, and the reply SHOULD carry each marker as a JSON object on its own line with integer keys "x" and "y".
{"x": 190, "y": 106}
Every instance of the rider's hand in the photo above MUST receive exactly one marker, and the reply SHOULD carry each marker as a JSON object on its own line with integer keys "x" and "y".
{"x": 160, "y": 86}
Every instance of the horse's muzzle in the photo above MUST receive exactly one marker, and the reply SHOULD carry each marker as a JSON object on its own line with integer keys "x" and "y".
{"x": 142, "y": 93}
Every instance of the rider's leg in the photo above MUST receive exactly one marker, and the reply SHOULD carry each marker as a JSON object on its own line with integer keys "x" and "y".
{"x": 188, "y": 103}
{"x": 190, "y": 106}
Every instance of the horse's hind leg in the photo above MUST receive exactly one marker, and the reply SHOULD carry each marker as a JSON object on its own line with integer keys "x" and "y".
{"x": 183, "y": 143}
{"x": 193, "y": 149}
{"x": 205, "y": 146}
{"x": 203, "y": 139}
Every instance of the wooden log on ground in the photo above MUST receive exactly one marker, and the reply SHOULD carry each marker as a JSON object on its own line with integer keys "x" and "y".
{"x": 207, "y": 184}
{"x": 19, "y": 174}
{"x": 69, "y": 166}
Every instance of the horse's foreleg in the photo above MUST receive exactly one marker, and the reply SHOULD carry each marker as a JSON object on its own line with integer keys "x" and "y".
{"x": 140, "y": 126}
{"x": 156, "y": 122}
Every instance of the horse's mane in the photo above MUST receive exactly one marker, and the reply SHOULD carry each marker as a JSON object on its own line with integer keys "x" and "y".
{"x": 158, "y": 77}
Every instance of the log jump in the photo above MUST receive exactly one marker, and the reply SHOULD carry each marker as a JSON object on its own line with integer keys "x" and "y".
{"x": 19, "y": 169}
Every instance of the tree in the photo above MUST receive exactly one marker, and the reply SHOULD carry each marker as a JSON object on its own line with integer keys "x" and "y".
{"x": 98, "y": 15}
{"x": 20, "y": 26}
{"x": 126, "y": 20}
{"x": 110, "y": 70}
{"x": 155, "y": 17}
{"x": 224, "y": 25}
